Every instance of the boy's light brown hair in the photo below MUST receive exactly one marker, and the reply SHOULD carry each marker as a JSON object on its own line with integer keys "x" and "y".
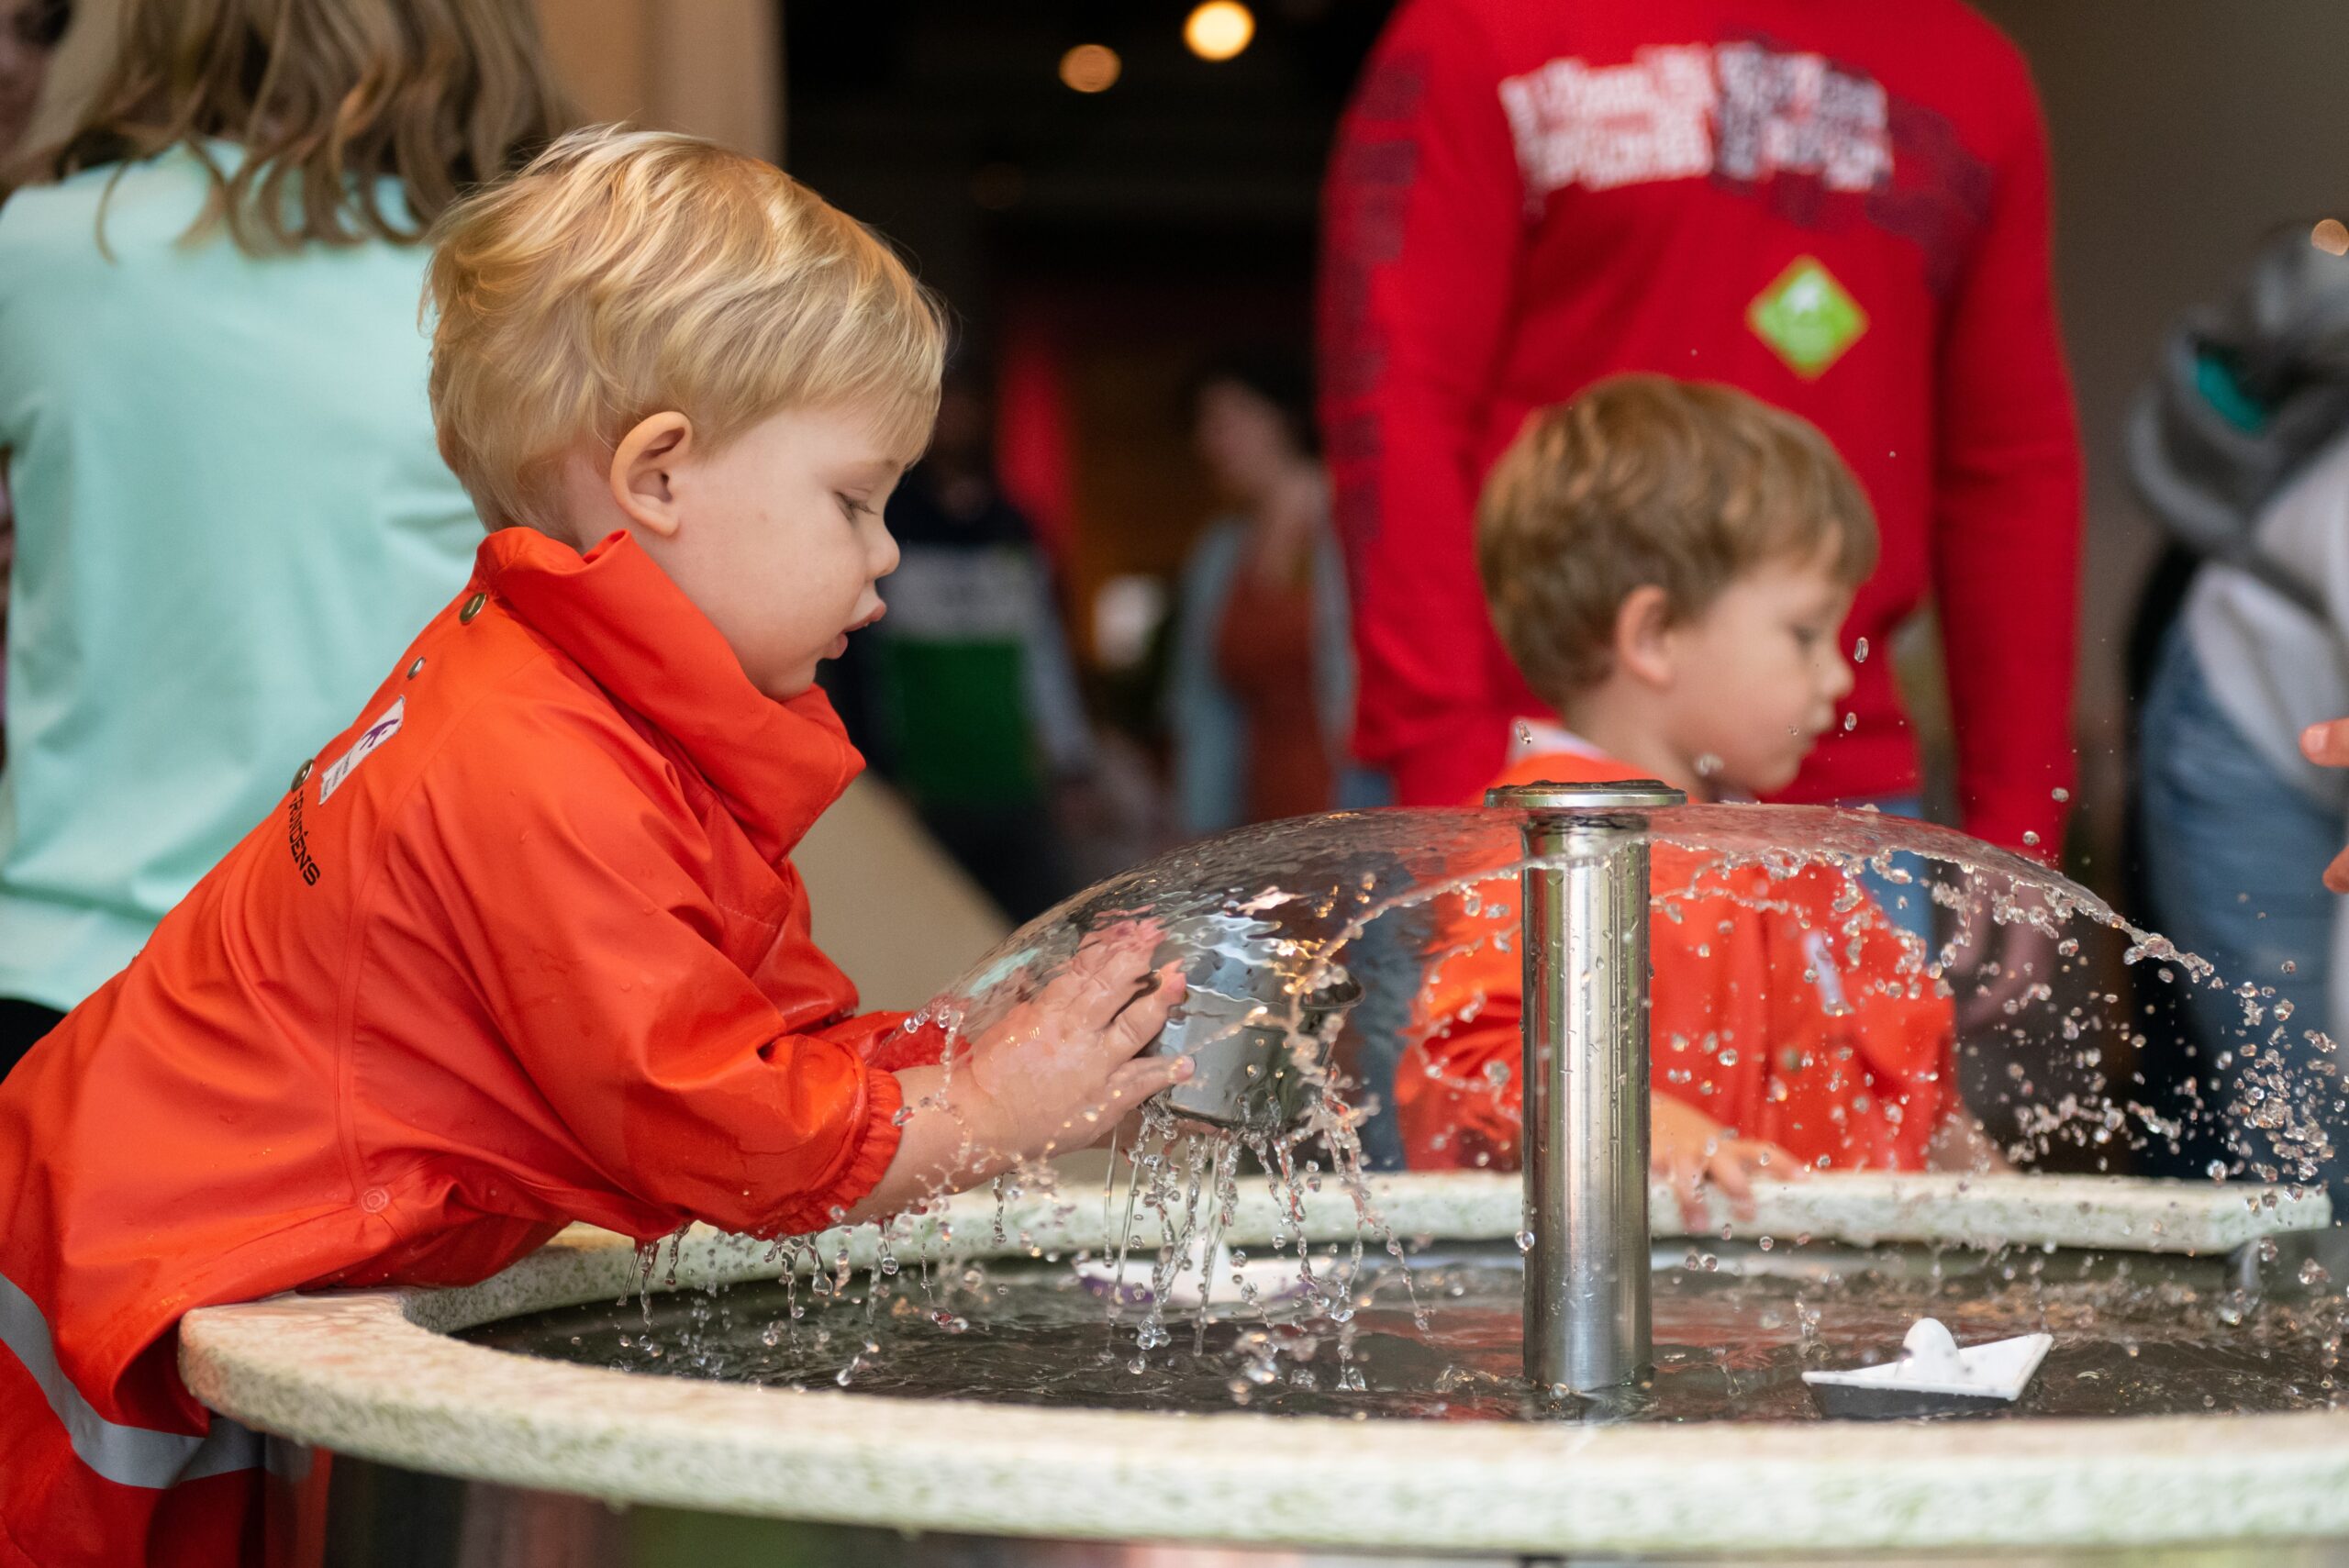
{"x": 623, "y": 273}
{"x": 1644, "y": 480}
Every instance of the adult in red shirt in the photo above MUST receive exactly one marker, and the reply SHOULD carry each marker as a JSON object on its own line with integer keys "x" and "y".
{"x": 1837, "y": 205}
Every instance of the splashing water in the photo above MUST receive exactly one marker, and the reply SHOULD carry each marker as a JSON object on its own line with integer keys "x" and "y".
{"x": 2052, "y": 1040}
{"x": 2135, "y": 1336}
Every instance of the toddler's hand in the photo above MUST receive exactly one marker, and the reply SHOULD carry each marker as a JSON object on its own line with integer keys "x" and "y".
{"x": 1690, "y": 1148}
{"x": 1065, "y": 1067}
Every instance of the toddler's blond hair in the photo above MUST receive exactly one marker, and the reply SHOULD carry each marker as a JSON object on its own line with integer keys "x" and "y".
{"x": 624, "y": 272}
{"x": 1644, "y": 480}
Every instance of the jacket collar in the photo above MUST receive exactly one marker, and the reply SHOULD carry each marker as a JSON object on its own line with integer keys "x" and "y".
{"x": 1530, "y": 737}
{"x": 775, "y": 765}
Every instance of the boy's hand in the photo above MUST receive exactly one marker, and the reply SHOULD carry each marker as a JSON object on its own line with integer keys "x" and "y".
{"x": 1960, "y": 1145}
{"x": 1688, "y": 1148}
{"x": 2026, "y": 956}
{"x": 1056, "y": 1074}
{"x": 1065, "y": 1066}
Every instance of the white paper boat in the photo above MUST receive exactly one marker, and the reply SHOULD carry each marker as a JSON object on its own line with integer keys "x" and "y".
{"x": 1932, "y": 1377}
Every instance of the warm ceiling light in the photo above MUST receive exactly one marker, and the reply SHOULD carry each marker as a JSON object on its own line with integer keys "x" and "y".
{"x": 2332, "y": 236}
{"x": 1090, "y": 68}
{"x": 1220, "y": 29}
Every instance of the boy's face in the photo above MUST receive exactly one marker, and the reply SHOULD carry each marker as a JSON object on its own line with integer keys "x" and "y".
{"x": 1758, "y": 676}
{"x": 777, "y": 537}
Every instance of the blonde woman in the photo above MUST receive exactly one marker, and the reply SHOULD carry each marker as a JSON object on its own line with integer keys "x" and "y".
{"x": 30, "y": 32}
{"x": 230, "y": 510}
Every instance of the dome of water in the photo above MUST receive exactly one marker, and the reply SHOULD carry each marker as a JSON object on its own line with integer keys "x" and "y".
{"x": 1270, "y": 920}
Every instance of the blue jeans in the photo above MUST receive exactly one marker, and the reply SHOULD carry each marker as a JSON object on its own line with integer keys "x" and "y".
{"x": 1909, "y": 905}
{"x": 1388, "y": 960}
{"x": 2232, "y": 853}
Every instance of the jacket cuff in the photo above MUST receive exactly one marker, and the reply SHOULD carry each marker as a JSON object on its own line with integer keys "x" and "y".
{"x": 872, "y": 1146}
{"x": 901, "y": 1048}
{"x": 884, "y": 1041}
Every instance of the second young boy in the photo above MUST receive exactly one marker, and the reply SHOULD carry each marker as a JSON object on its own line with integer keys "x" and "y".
{"x": 1669, "y": 563}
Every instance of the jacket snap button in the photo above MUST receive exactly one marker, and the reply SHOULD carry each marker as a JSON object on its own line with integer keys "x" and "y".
{"x": 473, "y": 607}
{"x": 415, "y": 669}
{"x": 300, "y": 776}
{"x": 374, "y": 1199}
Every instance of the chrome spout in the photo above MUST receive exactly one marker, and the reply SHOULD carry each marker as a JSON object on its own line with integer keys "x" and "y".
{"x": 1586, "y": 1078}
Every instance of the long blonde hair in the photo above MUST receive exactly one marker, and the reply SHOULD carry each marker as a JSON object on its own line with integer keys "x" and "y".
{"x": 325, "y": 96}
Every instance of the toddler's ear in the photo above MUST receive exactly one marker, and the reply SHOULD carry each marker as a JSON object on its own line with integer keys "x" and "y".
{"x": 1644, "y": 645}
{"x": 643, "y": 471}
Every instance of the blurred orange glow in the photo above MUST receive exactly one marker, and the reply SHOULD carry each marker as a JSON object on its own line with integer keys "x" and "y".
{"x": 1090, "y": 68}
{"x": 1219, "y": 29}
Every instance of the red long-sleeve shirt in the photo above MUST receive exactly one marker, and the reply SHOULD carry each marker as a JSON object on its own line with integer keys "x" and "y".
{"x": 1839, "y": 206}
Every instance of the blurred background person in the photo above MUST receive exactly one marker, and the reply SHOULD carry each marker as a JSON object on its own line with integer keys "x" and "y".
{"x": 1841, "y": 208}
{"x": 29, "y": 33}
{"x": 964, "y": 695}
{"x": 2241, "y": 448}
{"x": 219, "y": 278}
{"x": 1260, "y": 680}
{"x": 1260, "y": 685}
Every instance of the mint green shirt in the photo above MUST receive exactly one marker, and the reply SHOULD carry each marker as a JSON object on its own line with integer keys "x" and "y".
{"x": 230, "y": 519}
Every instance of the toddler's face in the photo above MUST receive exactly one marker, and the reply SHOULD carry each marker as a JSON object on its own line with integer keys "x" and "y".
{"x": 1761, "y": 676}
{"x": 780, "y": 539}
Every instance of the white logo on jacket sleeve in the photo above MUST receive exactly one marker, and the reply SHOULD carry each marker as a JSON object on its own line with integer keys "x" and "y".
{"x": 1830, "y": 984}
{"x": 375, "y": 735}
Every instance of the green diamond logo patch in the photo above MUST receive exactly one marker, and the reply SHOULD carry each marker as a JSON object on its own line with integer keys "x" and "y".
{"x": 1806, "y": 318}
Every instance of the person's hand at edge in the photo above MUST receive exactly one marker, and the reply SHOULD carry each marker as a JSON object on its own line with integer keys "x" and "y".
{"x": 2326, "y": 745}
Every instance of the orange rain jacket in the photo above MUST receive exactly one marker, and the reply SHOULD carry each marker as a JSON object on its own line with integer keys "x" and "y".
{"x": 1789, "y": 1021}
{"x": 524, "y": 946}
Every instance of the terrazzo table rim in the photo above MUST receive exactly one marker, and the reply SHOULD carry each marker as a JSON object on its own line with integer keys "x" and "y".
{"x": 373, "y": 1375}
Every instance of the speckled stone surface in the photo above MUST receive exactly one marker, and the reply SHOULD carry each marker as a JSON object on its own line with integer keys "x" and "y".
{"x": 372, "y": 1373}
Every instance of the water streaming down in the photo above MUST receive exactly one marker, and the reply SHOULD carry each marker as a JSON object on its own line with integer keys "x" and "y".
{"x": 1388, "y": 1325}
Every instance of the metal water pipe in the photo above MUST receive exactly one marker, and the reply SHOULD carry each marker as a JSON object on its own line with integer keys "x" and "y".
{"x": 1585, "y": 1077}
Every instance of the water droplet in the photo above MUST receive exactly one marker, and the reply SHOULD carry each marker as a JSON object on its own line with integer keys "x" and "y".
{"x": 1525, "y": 1240}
